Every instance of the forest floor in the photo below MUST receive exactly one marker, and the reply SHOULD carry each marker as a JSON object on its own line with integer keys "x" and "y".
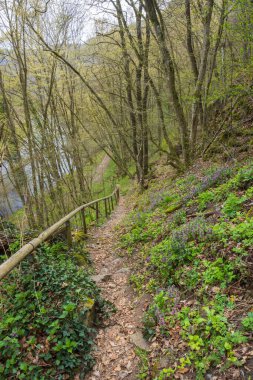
{"x": 189, "y": 241}
{"x": 115, "y": 354}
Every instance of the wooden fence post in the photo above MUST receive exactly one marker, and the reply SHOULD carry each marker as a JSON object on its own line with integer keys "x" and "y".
{"x": 111, "y": 199}
{"x": 109, "y": 205}
{"x": 68, "y": 233}
{"x": 97, "y": 215}
{"x": 106, "y": 212}
{"x": 84, "y": 221}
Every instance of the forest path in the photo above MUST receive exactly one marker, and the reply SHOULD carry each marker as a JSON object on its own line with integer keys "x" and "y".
{"x": 115, "y": 356}
{"x": 100, "y": 169}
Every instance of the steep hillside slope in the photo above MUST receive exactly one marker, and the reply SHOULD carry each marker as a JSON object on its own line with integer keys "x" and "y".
{"x": 190, "y": 238}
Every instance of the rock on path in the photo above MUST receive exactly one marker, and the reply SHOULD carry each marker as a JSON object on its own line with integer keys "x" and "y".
{"x": 115, "y": 353}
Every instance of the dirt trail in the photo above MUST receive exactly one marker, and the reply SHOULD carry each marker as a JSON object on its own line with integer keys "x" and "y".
{"x": 115, "y": 356}
{"x": 98, "y": 177}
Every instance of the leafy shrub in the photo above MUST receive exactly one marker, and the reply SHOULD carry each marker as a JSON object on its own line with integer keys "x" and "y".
{"x": 137, "y": 234}
{"x": 218, "y": 272}
{"x": 232, "y": 205}
{"x": 216, "y": 178}
{"x": 164, "y": 303}
{"x": 143, "y": 363}
{"x": 138, "y": 281}
{"x": 205, "y": 198}
{"x": 244, "y": 177}
{"x": 188, "y": 277}
{"x": 196, "y": 229}
{"x": 141, "y": 228}
{"x": 213, "y": 339}
{"x": 247, "y": 322}
{"x": 241, "y": 180}
{"x": 168, "y": 254}
{"x": 207, "y": 332}
{"x": 179, "y": 249}
{"x": 162, "y": 199}
{"x": 243, "y": 232}
{"x": 179, "y": 218}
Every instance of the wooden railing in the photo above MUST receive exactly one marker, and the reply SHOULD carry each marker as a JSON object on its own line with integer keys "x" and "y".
{"x": 16, "y": 258}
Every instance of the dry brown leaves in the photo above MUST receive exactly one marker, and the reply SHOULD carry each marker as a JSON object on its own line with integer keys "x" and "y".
{"x": 115, "y": 355}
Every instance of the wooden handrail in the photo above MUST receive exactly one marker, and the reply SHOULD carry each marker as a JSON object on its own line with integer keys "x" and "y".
{"x": 7, "y": 266}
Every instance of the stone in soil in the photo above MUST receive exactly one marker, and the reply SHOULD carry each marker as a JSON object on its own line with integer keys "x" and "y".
{"x": 138, "y": 340}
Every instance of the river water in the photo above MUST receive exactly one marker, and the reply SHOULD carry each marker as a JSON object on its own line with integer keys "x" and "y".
{"x": 11, "y": 202}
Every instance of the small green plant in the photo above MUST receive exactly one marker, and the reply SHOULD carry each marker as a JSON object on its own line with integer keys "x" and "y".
{"x": 218, "y": 272}
{"x": 165, "y": 374}
{"x": 214, "y": 339}
{"x": 143, "y": 363}
{"x": 195, "y": 342}
{"x": 205, "y": 198}
{"x": 179, "y": 218}
{"x": 138, "y": 281}
{"x": 243, "y": 232}
{"x": 244, "y": 177}
{"x": 156, "y": 315}
{"x": 232, "y": 205}
{"x": 188, "y": 278}
{"x": 247, "y": 322}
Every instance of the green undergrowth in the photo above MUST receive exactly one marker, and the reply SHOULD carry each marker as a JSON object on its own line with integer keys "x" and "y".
{"x": 49, "y": 312}
{"x": 191, "y": 238}
{"x": 109, "y": 181}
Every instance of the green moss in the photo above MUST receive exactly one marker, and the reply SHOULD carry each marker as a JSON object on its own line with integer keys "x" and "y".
{"x": 172, "y": 208}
